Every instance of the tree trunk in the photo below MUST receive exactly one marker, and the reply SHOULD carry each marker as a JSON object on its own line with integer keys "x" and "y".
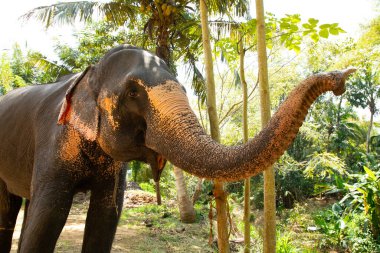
{"x": 338, "y": 119}
{"x": 372, "y": 109}
{"x": 198, "y": 190}
{"x": 269, "y": 176}
{"x": 219, "y": 193}
{"x": 247, "y": 181}
{"x": 186, "y": 209}
{"x": 158, "y": 193}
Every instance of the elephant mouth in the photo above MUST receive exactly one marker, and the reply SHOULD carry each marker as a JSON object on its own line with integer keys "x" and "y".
{"x": 140, "y": 136}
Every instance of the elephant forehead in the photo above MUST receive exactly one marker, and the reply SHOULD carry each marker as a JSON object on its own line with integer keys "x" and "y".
{"x": 167, "y": 98}
{"x": 108, "y": 103}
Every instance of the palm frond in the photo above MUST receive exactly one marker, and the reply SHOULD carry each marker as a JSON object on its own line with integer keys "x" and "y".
{"x": 61, "y": 13}
{"x": 199, "y": 85}
{"x": 233, "y": 8}
{"x": 119, "y": 12}
{"x": 84, "y": 11}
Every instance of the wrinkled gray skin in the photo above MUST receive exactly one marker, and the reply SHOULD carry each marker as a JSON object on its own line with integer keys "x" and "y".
{"x": 58, "y": 139}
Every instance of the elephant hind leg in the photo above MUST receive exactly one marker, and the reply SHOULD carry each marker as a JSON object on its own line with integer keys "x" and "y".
{"x": 9, "y": 207}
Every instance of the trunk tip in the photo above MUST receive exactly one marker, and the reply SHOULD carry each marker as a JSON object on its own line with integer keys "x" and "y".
{"x": 348, "y": 71}
{"x": 339, "y": 87}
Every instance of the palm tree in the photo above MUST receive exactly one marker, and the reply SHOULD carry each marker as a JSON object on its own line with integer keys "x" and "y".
{"x": 187, "y": 212}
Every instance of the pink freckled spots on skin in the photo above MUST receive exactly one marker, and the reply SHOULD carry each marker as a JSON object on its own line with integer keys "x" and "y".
{"x": 70, "y": 147}
{"x": 83, "y": 127}
{"x": 108, "y": 104}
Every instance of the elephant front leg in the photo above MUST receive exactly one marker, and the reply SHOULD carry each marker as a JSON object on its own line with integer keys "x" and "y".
{"x": 46, "y": 215}
{"x": 104, "y": 212}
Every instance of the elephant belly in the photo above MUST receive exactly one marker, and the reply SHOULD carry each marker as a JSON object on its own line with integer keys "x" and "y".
{"x": 17, "y": 186}
{"x": 16, "y": 162}
{"x": 17, "y": 174}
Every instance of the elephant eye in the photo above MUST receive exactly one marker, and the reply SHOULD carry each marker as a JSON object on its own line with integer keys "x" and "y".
{"x": 132, "y": 93}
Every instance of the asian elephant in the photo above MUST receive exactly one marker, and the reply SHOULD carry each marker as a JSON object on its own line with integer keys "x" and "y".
{"x": 76, "y": 134}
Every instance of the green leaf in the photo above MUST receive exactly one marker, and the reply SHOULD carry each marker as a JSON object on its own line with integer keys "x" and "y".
{"x": 324, "y": 33}
{"x": 313, "y": 21}
{"x": 339, "y": 181}
{"x": 324, "y": 26}
{"x": 306, "y": 32}
{"x": 294, "y": 28}
{"x": 337, "y": 208}
{"x": 307, "y": 26}
{"x": 284, "y": 26}
{"x": 296, "y": 49}
{"x": 341, "y": 30}
{"x": 334, "y": 31}
{"x": 362, "y": 191}
{"x": 370, "y": 173}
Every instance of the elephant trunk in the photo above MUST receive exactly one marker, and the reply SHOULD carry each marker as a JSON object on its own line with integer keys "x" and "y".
{"x": 175, "y": 133}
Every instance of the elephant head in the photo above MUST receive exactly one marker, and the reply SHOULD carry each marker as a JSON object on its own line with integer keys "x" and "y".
{"x": 130, "y": 101}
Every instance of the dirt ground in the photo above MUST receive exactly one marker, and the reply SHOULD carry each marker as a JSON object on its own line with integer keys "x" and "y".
{"x": 130, "y": 236}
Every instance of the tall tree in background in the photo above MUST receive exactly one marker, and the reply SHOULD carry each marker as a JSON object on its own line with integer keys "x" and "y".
{"x": 269, "y": 176}
{"x": 219, "y": 192}
{"x": 247, "y": 181}
{"x": 364, "y": 92}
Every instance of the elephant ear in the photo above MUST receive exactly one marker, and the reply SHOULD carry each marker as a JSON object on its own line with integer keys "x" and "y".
{"x": 79, "y": 107}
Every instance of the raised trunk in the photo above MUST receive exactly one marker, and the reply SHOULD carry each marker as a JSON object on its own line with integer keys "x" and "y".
{"x": 174, "y": 131}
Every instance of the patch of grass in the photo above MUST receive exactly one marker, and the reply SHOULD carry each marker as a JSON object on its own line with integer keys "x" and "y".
{"x": 166, "y": 233}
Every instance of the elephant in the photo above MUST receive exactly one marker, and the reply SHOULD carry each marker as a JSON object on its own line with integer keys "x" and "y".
{"x": 77, "y": 134}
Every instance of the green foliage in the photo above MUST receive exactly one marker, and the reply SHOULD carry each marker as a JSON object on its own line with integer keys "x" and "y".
{"x": 288, "y": 31}
{"x": 364, "y": 89}
{"x": 19, "y": 69}
{"x": 135, "y": 167}
{"x": 147, "y": 187}
{"x": 331, "y": 223}
{"x": 291, "y": 184}
{"x": 345, "y": 230}
{"x": 6, "y": 75}
{"x": 167, "y": 182}
{"x": 93, "y": 42}
{"x": 284, "y": 244}
{"x": 364, "y": 197}
{"x": 358, "y": 235}
{"x": 324, "y": 165}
